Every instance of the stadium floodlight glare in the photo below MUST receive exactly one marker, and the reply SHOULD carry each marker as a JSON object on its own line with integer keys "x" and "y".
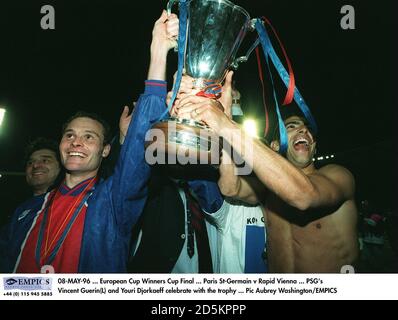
{"x": 250, "y": 127}
{"x": 2, "y": 113}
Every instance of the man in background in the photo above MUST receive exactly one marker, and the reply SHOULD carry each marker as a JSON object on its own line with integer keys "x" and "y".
{"x": 42, "y": 169}
{"x": 42, "y": 165}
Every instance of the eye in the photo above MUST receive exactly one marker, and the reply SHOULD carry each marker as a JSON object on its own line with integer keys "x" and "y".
{"x": 89, "y": 137}
{"x": 290, "y": 126}
{"x": 46, "y": 161}
{"x": 68, "y": 135}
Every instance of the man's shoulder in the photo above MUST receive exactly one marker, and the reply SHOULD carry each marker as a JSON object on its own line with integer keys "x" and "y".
{"x": 30, "y": 203}
{"x": 334, "y": 169}
{"x": 28, "y": 208}
{"x": 341, "y": 177}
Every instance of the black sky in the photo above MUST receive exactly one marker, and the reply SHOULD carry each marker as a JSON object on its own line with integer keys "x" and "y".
{"x": 96, "y": 60}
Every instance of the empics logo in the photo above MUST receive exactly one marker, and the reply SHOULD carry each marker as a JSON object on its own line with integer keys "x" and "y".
{"x": 11, "y": 281}
{"x": 27, "y": 283}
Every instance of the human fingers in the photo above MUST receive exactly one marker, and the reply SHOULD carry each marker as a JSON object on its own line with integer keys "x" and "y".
{"x": 168, "y": 97}
{"x": 186, "y": 85}
{"x": 189, "y": 99}
{"x": 125, "y": 113}
{"x": 226, "y": 96}
{"x": 163, "y": 17}
{"x": 172, "y": 26}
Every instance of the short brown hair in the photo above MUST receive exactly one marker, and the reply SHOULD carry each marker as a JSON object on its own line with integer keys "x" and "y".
{"x": 93, "y": 116}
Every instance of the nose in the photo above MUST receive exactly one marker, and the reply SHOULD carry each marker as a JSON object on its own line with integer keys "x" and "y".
{"x": 77, "y": 141}
{"x": 303, "y": 129}
{"x": 37, "y": 163}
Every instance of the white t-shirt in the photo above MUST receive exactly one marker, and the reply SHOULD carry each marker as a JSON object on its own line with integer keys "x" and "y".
{"x": 241, "y": 238}
{"x": 184, "y": 263}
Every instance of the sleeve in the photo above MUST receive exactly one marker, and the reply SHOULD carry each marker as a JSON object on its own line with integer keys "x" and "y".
{"x": 219, "y": 217}
{"x": 208, "y": 194}
{"x": 131, "y": 174}
{"x": 4, "y": 238}
{"x": 5, "y": 242}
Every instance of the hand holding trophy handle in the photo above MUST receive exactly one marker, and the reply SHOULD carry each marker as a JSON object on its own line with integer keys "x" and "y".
{"x": 169, "y": 6}
{"x": 168, "y": 9}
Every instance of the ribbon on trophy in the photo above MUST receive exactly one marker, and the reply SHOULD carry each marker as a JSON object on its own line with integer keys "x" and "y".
{"x": 287, "y": 78}
{"x": 211, "y": 90}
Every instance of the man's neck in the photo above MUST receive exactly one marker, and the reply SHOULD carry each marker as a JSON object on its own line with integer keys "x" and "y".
{"x": 73, "y": 179}
{"x": 39, "y": 191}
{"x": 309, "y": 169}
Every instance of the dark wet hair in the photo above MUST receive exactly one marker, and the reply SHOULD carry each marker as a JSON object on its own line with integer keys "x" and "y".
{"x": 93, "y": 116}
{"x": 287, "y": 112}
{"x": 40, "y": 144}
{"x": 290, "y": 111}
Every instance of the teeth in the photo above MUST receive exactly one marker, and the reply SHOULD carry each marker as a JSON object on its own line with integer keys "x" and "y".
{"x": 302, "y": 140}
{"x": 79, "y": 154}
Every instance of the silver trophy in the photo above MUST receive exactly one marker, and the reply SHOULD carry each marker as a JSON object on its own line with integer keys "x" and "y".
{"x": 214, "y": 31}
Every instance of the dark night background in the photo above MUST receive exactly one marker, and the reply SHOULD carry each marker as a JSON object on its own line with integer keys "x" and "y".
{"x": 97, "y": 57}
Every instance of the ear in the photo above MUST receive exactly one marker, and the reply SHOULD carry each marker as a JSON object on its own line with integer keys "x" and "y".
{"x": 275, "y": 146}
{"x": 106, "y": 150}
{"x": 315, "y": 148}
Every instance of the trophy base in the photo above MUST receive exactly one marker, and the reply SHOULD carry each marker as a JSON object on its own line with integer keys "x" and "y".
{"x": 183, "y": 142}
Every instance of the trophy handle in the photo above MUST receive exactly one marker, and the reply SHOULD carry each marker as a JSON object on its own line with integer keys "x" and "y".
{"x": 170, "y": 5}
{"x": 237, "y": 61}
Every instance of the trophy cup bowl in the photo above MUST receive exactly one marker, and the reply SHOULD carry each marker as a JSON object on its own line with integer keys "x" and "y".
{"x": 215, "y": 30}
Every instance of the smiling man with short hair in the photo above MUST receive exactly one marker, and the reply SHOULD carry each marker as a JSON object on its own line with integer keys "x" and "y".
{"x": 42, "y": 165}
{"x": 85, "y": 224}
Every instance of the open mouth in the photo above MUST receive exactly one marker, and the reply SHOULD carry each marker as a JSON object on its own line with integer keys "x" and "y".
{"x": 301, "y": 144}
{"x": 77, "y": 154}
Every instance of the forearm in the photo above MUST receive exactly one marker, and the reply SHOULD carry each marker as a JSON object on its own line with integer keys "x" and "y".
{"x": 239, "y": 187}
{"x": 164, "y": 34}
{"x": 228, "y": 182}
{"x": 158, "y": 62}
{"x": 274, "y": 171}
{"x": 233, "y": 185}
